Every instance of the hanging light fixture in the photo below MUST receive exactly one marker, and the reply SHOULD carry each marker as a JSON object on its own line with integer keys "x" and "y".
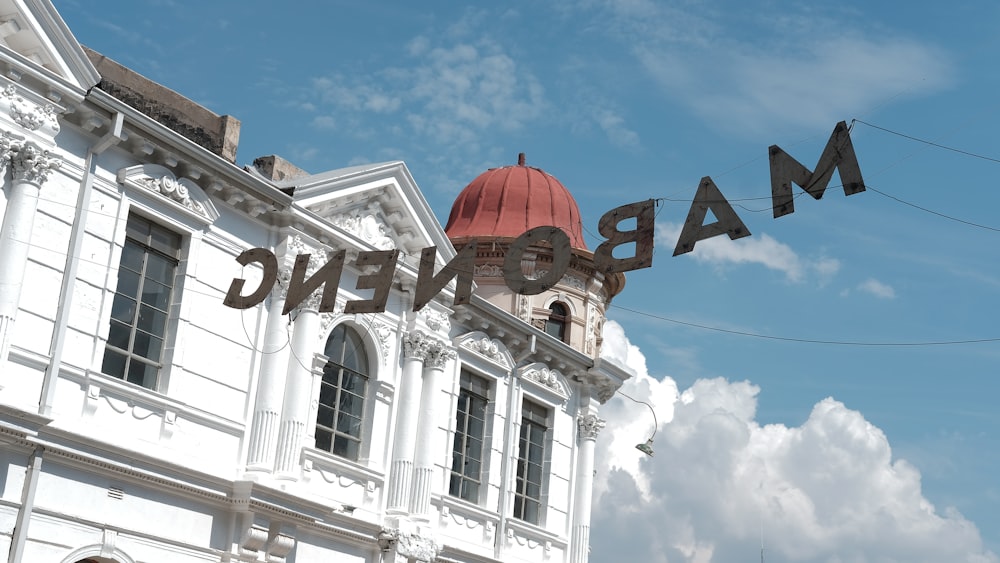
{"x": 647, "y": 446}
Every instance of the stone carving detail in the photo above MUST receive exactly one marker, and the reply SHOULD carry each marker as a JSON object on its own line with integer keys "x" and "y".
{"x": 29, "y": 115}
{"x": 415, "y": 345}
{"x": 382, "y": 333}
{"x": 438, "y": 354}
{"x": 172, "y": 189}
{"x": 317, "y": 259}
{"x": 30, "y": 162}
{"x": 436, "y": 320}
{"x": 280, "y": 289}
{"x": 422, "y": 548}
{"x": 253, "y": 540}
{"x": 522, "y": 308}
{"x": 367, "y": 228}
{"x": 545, "y": 377}
{"x": 488, "y": 271}
{"x": 279, "y": 548}
{"x": 492, "y": 349}
{"x": 591, "y": 323}
{"x": 588, "y": 426}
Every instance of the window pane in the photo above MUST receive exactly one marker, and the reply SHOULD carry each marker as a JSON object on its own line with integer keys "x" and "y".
{"x": 530, "y": 511}
{"x": 142, "y": 373}
{"x": 132, "y": 255}
{"x": 128, "y": 282}
{"x": 152, "y": 320}
{"x": 353, "y": 382}
{"x": 123, "y": 309}
{"x": 323, "y": 439}
{"x": 534, "y": 473}
{"x": 470, "y": 490}
{"x": 165, "y": 241}
{"x": 351, "y": 404}
{"x": 119, "y": 335}
{"x": 325, "y": 416}
{"x": 114, "y": 364}
{"x": 472, "y": 467}
{"x": 349, "y": 425}
{"x": 147, "y": 346}
{"x": 155, "y": 294}
{"x": 137, "y": 228}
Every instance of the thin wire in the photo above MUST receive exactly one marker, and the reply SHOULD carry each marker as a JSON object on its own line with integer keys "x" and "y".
{"x": 932, "y": 212}
{"x": 926, "y": 142}
{"x": 809, "y": 340}
{"x": 656, "y": 424}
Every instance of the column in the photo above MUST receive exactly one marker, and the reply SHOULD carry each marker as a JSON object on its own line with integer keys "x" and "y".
{"x": 298, "y": 387}
{"x": 588, "y": 425}
{"x": 31, "y": 166}
{"x": 426, "y": 454}
{"x": 270, "y": 383}
{"x": 415, "y": 347}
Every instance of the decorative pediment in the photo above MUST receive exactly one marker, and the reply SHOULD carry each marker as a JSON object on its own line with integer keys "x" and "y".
{"x": 34, "y": 33}
{"x": 489, "y": 348}
{"x": 180, "y": 192}
{"x": 369, "y": 227}
{"x": 541, "y": 377}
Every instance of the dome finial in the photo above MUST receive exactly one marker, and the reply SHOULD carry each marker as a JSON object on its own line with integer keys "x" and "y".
{"x": 520, "y": 159}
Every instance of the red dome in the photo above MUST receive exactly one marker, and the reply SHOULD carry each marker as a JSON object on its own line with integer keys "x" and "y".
{"x": 506, "y": 202}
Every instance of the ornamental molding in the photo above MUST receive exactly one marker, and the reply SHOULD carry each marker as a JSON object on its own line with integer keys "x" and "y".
{"x": 588, "y": 426}
{"x": 490, "y": 348}
{"x": 29, "y": 115}
{"x": 367, "y": 227}
{"x": 29, "y": 162}
{"x": 182, "y": 192}
{"x": 567, "y": 280}
{"x": 438, "y": 354}
{"x": 435, "y": 320}
{"x": 549, "y": 379}
{"x": 424, "y": 549}
{"x": 487, "y": 271}
{"x": 382, "y": 332}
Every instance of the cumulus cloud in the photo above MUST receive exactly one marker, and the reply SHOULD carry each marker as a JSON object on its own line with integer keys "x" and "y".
{"x": 874, "y": 287}
{"x": 760, "y": 249}
{"x": 826, "y": 491}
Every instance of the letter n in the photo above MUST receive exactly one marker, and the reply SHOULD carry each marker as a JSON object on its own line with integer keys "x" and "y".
{"x": 328, "y": 276}
{"x": 429, "y": 285}
{"x": 838, "y": 154}
{"x": 727, "y": 221}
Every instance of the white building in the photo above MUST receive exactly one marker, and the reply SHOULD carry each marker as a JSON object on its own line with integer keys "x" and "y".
{"x": 142, "y": 420}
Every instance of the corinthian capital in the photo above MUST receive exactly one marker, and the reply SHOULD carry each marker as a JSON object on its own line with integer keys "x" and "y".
{"x": 438, "y": 354}
{"x": 30, "y": 162}
{"x": 589, "y": 425}
{"x": 415, "y": 345}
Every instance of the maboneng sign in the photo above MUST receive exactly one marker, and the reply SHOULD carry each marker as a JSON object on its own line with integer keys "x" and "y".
{"x": 837, "y": 155}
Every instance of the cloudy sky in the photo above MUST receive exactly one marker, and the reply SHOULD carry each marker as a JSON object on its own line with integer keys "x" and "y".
{"x": 827, "y": 383}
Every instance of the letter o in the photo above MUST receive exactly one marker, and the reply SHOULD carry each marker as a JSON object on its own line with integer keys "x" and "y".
{"x": 561, "y": 252}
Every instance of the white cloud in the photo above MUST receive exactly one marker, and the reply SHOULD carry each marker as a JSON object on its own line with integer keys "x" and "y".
{"x": 874, "y": 287}
{"x": 826, "y": 491}
{"x": 759, "y": 249}
{"x": 789, "y": 64}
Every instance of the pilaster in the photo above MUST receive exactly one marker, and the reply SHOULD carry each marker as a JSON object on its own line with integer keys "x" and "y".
{"x": 415, "y": 350}
{"x": 588, "y": 426}
{"x": 438, "y": 354}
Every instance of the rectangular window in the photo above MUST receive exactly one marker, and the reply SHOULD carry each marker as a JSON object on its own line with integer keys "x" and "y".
{"x": 142, "y": 300}
{"x": 530, "y": 459}
{"x": 470, "y": 429}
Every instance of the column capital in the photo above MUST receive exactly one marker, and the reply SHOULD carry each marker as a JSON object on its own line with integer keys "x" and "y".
{"x": 416, "y": 345}
{"x": 588, "y": 426}
{"x": 30, "y": 163}
{"x": 438, "y": 354}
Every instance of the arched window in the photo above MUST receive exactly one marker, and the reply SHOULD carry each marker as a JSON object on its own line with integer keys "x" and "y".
{"x": 342, "y": 394}
{"x": 556, "y": 323}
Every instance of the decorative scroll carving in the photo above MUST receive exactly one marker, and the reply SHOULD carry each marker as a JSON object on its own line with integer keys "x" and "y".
{"x": 424, "y": 549}
{"x": 488, "y": 271}
{"x": 172, "y": 189}
{"x": 591, "y": 323}
{"x": 438, "y": 354}
{"x": 367, "y": 228}
{"x": 588, "y": 426}
{"x": 491, "y": 348}
{"x": 545, "y": 377}
{"x": 382, "y": 333}
{"x": 522, "y": 308}
{"x": 279, "y": 547}
{"x": 29, "y": 115}
{"x": 29, "y": 162}
{"x": 253, "y": 539}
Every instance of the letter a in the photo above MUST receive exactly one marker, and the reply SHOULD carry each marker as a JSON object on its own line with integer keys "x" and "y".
{"x": 708, "y": 197}
{"x": 838, "y": 154}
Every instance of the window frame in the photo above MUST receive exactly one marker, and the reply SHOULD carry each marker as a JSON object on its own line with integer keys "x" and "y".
{"x": 522, "y": 498}
{"x": 172, "y": 280}
{"x": 467, "y": 380}
{"x": 559, "y": 320}
{"x": 363, "y": 416}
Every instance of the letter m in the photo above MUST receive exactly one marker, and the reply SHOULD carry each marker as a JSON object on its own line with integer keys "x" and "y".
{"x": 785, "y": 170}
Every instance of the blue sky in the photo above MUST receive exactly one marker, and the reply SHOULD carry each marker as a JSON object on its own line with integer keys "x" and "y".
{"x": 625, "y": 100}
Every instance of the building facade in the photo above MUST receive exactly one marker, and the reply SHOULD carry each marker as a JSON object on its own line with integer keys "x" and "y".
{"x": 143, "y": 420}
